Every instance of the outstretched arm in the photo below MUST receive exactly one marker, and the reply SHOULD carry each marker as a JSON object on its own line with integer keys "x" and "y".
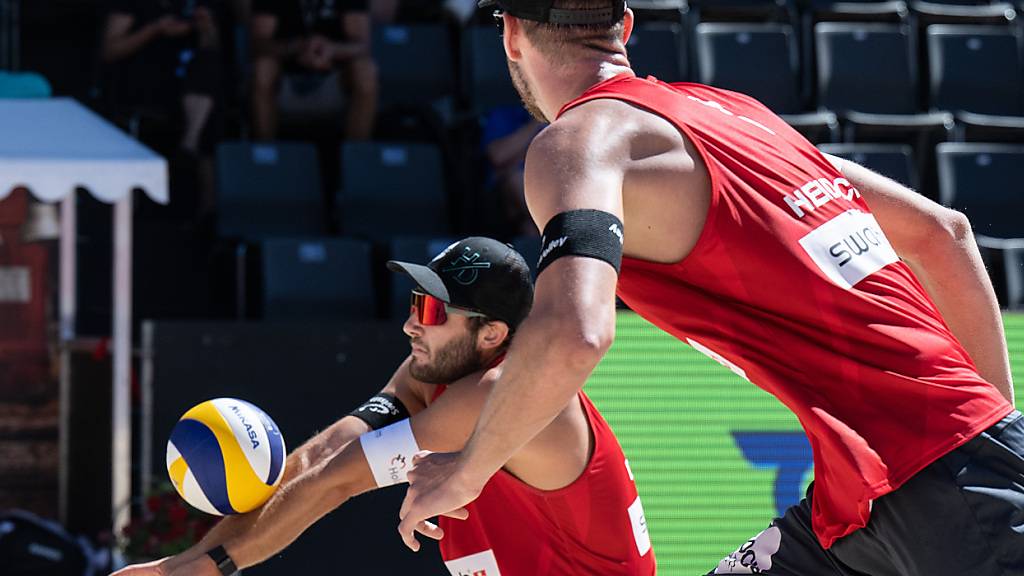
{"x": 331, "y": 476}
{"x": 938, "y": 244}
{"x": 570, "y": 327}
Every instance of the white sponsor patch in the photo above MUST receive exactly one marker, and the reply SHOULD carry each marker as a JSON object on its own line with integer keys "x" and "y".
{"x": 640, "y": 532}
{"x": 755, "y": 556}
{"x": 479, "y": 564}
{"x": 718, "y": 358}
{"x": 849, "y": 248}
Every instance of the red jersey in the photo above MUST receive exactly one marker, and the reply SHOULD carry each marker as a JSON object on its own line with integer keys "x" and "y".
{"x": 592, "y": 527}
{"x": 794, "y": 287}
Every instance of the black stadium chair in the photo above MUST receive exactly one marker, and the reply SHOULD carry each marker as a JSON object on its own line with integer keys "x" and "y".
{"x": 268, "y": 189}
{"x": 414, "y": 63}
{"x": 962, "y": 12}
{"x": 868, "y": 75}
{"x": 893, "y": 160}
{"x": 659, "y": 49}
{"x": 740, "y": 10}
{"x": 981, "y": 180}
{"x": 976, "y": 73}
{"x": 660, "y": 11}
{"x": 317, "y": 279}
{"x": 485, "y": 78}
{"x": 392, "y": 188}
{"x": 760, "y": 60}
{"x": 415, "y": 249}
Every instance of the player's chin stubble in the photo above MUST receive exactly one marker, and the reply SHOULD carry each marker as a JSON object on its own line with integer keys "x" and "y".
{"x": 453, "y": 361}
{"x": 525, "y": 93}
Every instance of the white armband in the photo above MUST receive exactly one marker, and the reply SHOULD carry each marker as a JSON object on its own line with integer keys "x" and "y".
{"x": 389, "y": 452}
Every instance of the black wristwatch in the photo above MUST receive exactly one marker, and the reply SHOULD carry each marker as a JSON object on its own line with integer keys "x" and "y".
{"x": 224, "y": 562}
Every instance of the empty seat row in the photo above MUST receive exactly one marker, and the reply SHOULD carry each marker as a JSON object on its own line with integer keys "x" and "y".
{"x": 274, "y": 189}
{"x": 333, "y": 278}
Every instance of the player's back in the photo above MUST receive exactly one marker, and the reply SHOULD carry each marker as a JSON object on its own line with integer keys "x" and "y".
{"x": 792, "y": 284}
{"x": 595, "y": 526}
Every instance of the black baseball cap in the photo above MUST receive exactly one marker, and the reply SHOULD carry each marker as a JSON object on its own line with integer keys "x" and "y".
{"x": 608, "y": 12}
{"x": 479, "y": 274}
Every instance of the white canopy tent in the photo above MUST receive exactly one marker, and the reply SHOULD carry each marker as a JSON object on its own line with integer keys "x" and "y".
{"x": 51, "y": 147}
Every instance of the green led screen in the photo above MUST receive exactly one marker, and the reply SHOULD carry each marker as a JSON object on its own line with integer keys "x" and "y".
{"x": 714, "y": 456}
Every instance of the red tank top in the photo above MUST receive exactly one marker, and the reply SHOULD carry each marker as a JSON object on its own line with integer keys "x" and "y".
{"x": 794, "y": 287}
{"x": 592, "y": 527}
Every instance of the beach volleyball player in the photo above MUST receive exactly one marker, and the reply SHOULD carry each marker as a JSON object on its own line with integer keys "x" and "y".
{"x": 863, "y": 306}
{"x": 564, "y": 505}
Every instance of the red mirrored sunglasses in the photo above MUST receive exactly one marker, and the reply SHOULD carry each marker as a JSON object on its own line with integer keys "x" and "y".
{"x": 432, "y": 311}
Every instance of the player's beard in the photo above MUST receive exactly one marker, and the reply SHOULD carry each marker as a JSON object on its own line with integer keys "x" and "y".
{"x": 525, "y": 92}
{"x": 452, "y": 361}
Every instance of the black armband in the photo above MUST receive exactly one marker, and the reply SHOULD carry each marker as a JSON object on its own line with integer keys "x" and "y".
{"x": 588, "y": 233}
{"x": 381, "y": 410}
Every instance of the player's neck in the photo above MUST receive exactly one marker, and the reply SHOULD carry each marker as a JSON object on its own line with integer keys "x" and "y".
{"x": 569, "y": 83}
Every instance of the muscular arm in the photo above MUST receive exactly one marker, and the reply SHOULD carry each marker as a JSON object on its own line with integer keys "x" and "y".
{"x": 938, "y": 244}
{"x": 119, "y": 43}
{"x": 331, "y": 474}
{"x": 572, "y": 323}
{"x": 356, "y": 26}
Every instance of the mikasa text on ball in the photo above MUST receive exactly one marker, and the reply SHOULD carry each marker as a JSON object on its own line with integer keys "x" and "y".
{"x": 225, "y": 456}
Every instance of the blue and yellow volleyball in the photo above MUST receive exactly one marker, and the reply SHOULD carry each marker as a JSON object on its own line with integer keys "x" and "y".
{"x": 225, "y": 456}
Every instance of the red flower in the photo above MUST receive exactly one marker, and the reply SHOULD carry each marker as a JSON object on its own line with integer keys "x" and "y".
{"x": 177, "y": 514}
{"x": 153, "y": 504}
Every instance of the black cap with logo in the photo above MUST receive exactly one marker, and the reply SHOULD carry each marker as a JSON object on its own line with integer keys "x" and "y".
{"x": 607, "y": 12}
{"x": 479, "y": 274}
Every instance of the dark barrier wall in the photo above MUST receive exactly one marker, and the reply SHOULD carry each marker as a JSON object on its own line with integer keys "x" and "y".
{"x": 305, "y": 377}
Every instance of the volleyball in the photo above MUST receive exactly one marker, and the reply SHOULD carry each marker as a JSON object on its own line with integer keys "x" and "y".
{"x": 225, "y": 456}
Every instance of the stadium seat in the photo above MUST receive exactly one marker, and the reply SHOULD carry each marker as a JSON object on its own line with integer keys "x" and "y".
{"x": 414, "y": 63}
{"x": 981, "y": 181}
{"x": 976, "y": 73}
{"x": 740, "y": 10}
{"x": 868, "y": 75}
{"x": 415, "y": 249}
{"x": 893, "y": 160}
{"x": 854, "y": 10}
{"x": 321, "y": 278}
{"x": 660, "y": 11}
{"x": 390, "y": 189}
{"x": 962, "y": 12}
{"x": 760, "y": 60}
{"x": 659, "y": 49}
{"x": 485, "y": 77}
{"x": 268, "y": 189}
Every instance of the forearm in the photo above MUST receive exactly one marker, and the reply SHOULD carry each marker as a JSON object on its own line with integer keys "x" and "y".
{"x": 121, "y": 47}
{"x": 344, "y": 51}
{"x": 279, "y": 50}
{"x": 256, "y": 536}
{"x": 315, "y": 451}
{"x": 955, "y": 277}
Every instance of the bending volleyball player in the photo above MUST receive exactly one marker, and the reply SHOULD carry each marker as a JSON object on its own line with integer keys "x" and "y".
{"x": 569, "y": 492}
{"x": 863, "y": 306}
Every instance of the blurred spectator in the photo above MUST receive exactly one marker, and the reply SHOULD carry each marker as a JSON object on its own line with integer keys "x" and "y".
{"x": 166, "y": 56}
{"x": 508, "y": 131}
{"x": 318, "y": 37}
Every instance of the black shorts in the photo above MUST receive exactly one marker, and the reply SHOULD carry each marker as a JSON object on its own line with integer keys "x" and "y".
{"x": 963, "y": 515}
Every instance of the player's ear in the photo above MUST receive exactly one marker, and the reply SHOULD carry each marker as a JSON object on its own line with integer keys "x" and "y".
{"x": 492, "y": 335}
{"x": 511, "y": 37}
{"x": 627, "y": 26}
